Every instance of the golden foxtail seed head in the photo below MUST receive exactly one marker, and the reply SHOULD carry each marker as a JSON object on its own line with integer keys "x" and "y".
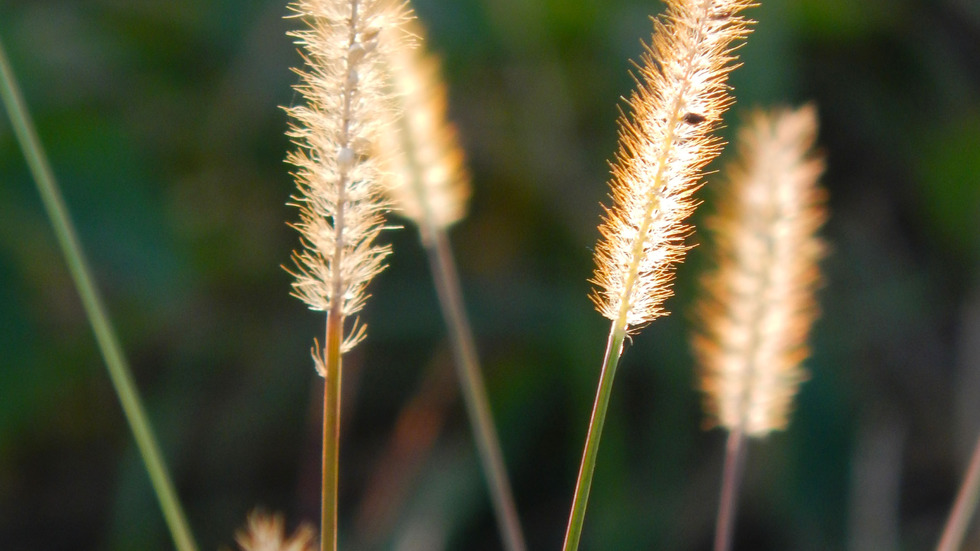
{"x": 425, "y": 174}
{"x": 664, "y": 144}
{"x": 340, "y": 200}
{"x": 265, "y": 532}
{"x": 759, "y": 304}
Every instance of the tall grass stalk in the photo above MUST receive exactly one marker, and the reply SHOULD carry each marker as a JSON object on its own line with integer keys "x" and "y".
{"x": 665, "y": 142}
{"x": 730, "y": 480}
{"x": 758, "y": 305}
{"x": 416, "y": 430}
{"x": 583, "y": 484}
{"x": 430, "y": 186}
{"x": 474, "y": 390}
{"x": 964, "y": 506}
{"x": 330, "y": 466}
{"x": 341, "y": 204}
{"x": 119, "y": 372}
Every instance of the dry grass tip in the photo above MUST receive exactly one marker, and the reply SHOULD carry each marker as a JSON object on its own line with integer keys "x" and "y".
{"x": 341, "y": 201}
{"x": 663, "y": 146}
{"x": 425, "y": 174}
{"x": 264, "y": 532}
{"x": 759, "y": 304}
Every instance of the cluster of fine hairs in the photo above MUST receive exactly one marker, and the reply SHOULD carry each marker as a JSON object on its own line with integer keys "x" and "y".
{"x": 663, "y": 147}
{"x": 265, "y": 532}
{"x": 341, "y": 199}
{"x": 372, "y": 134}
{"x": 665, "y": 141}
{"x": 758, "y": 306}
{"x": 425, "y": 176}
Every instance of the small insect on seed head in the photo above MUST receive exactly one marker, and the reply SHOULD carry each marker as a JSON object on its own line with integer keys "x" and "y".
{"x": 693, "y": 119}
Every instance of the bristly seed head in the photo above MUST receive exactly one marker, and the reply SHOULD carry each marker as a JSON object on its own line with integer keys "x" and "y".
{"x": 664, "y": 145}
{"x": 758, "y": 305}
{"x": 341, "y": 205}
{"x": 425, "y": 174}
{"x": 266, "y": 532}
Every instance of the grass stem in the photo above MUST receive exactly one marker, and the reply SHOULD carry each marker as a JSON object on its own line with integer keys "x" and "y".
{"x": 964, "y": 507}
{"x": 474, "y": 390}
{"x": 583, "y": 485}
{"x": 730, "y": 482}
{"x": 331, "y": 430}
{"x": 119, "y": 372}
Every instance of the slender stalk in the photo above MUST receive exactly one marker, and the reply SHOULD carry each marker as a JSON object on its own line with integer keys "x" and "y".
{"x": 429, "y": 183}
{"x": 666, "y": 139}
{"x": 331, "y": 431}
{"x": 341, "y": 208}
{"x": 758, "y": 304}
{"x": 119, "y": 372}
{"x": 583, "y": 484}
{"x": 730, "y": 482}
{"x": 474, "y": 391}
{"x": 330, "y": 471}
{"x": 964, "y": 507}
{"x": 416, "y": 430}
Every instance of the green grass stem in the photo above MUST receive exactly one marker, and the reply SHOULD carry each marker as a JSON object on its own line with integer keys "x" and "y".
{"x": 583, "y": 485}
{"x": 119, "y": 372}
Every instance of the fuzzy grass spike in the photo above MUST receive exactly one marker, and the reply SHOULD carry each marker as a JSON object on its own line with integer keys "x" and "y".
{"x": 341, "y": 202}
{"x": 665, "y": 141}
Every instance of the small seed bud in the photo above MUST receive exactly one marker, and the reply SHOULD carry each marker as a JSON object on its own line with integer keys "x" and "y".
{"x": 356, "y": 53}
{"x": 369, "y": 39}
{"x": 345, "y": 158}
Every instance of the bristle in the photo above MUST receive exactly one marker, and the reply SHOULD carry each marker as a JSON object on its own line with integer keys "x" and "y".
{"x": 664, "y": 145}
{"x": 268, "y": 533}
{"x": 759, "y": 305}
{"x": 425, "y": 172}
{"x": 340, "y": 199}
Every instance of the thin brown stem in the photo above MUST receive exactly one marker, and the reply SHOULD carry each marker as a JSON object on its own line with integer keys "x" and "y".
{"x": 335, "y": 331}
{"x": 411, "y": 443}
{"x": 474, "y": 390}
{"x": 964, "y": 507}
{"x": 331, "y": 430}
{"x": 731, "y": 478}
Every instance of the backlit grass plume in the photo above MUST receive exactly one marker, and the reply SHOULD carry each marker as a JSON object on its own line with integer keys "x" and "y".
{"x": 428, "y": 182}
{"x": 265, "y": 532}
{"x": 426, "y": 175}
{"x": 341, "y": 200}
{"x": 665, "y": 142}
{"x": 340, "y": 197}
{"x": 758, "y": 305}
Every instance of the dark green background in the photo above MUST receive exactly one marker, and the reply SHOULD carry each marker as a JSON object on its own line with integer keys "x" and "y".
{"x": 162, "y": 121}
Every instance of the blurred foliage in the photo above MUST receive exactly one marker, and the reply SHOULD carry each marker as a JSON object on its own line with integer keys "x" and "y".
{"x": 162, "y": 121}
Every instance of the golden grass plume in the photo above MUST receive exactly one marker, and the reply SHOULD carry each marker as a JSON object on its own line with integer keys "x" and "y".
{"x": 341, "y": 201}
{"x": 664, "y": 145}
{"x": 759, "y": 305}
{"x": 265, "y": 532}
{"x": 425, "y": 171}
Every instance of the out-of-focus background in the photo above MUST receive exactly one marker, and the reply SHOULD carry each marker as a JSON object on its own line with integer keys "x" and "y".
{"x": 163, "y": 123}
